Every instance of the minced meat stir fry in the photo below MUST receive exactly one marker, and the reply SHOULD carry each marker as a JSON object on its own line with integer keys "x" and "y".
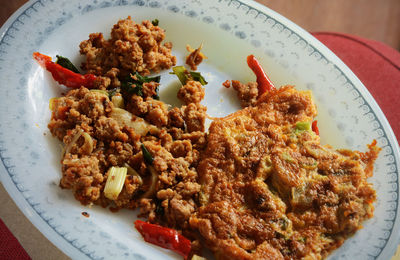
{"x": 258, "y": 185}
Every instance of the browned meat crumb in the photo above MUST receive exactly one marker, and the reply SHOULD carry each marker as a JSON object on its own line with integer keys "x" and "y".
{"x": 191, "y": 92}
{"x": 194, "y": 115}
{"x": 83, "y": 176}
{"x": 137, "y": 106}
{"x": 175, "y": 118}
{"x": 247, "y": 93}
{"x": 227, "y": 83}
{"x": 108, "y": 129}
{"x": 180, "y": 148}
{"x": 132, "y": 47}
{"x": 195, "y": 57}
{"x": 157, "y": 112}
{"x": 150, "y": 89}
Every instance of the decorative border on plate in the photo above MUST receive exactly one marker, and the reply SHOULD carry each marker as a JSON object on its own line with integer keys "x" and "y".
{"x": 35, "y": 6}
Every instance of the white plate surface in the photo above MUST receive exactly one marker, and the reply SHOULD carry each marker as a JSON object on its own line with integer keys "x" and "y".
{"x": 230, "y": 30}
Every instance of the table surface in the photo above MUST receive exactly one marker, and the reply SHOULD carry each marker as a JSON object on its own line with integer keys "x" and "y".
{"x": 374, "y": 19}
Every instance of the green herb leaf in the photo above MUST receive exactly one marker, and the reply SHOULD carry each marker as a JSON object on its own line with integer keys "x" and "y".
{"x": 147, "y": 155}
{"x": 180, "y": 72}
{"x": 142, "y": 79}
{"x": 66, "y": 63}
{"x": 184, "y": 75}
{"x": 135, "y": 86}
{"x": 198, "y": 77}
{"x": 155, "y": 22}
{"x": 130, "y": 88}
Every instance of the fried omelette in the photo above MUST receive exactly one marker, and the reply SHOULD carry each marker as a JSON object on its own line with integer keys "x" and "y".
{"x": 270, "y": 190}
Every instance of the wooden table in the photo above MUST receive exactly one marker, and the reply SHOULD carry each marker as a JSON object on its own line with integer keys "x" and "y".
{"x": 374, "y": 19}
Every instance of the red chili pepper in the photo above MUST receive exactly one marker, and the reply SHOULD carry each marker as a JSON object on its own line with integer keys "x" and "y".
{"x": 314, "y": 127}
{"x": 264, "y": 83}
{"x": 164, "y": 237}
{"x": 62, "y": 75}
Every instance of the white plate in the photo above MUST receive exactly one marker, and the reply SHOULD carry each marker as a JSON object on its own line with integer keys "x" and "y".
{"x": 230, "y": 30}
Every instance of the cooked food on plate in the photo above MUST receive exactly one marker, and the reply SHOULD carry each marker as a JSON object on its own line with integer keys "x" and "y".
{"x": 257, "y": 185}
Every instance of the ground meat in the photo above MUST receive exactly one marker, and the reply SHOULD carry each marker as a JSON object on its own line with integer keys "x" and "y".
{"x": 97, "y": 136}
{"x": 166, "y": 194}
{"x": 179, "y": 211}
{"x": 247, "y": 93}
{"x": 148, "y": 209}
{"x": 194, "y": 115}
{"x": 58, "y": 127}
{"x": 191, "y": 92}
{"x": 150, "y": 89}
{"x": 112, "y": 74}
{"x": 131, "y": 185}
{"x": 188, "y": 189}
{"x": 180, "y": 148}
{"x": 137, "y": 106}
{"x": 108, "y": 129}
{"x": 119, "y": 153}
{"x": 157, "y": 113}
{"x": 132, "y": 47}
{"x": 197, "y": 138}
{"x": 94, "y": 104}
{"x": 102, "y": 83}
{"x": 154, "y": 111}
{"x": 176, "y": 184}
{"x": 175, "y": 118}
{"x": 83, "y": 176}
{"x": 79, "y": 105}
{"x": 195, "y": 57}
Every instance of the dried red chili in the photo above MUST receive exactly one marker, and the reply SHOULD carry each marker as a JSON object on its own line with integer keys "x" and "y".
{"x": 164, "y": 237}
{"x": 264, "y": 83}
{"x": 314, "y": 127}
{"x": 62, "y": 75}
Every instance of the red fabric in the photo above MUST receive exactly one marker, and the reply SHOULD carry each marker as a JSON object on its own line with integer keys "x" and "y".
{"x": 10, "y": 248}
{"x": 376, "y": 65}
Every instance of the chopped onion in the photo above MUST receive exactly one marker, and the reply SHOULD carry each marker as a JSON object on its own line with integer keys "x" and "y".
{"x": 88, "y": 145}
{"x": 100, "y": 91}
{"x": 152, "y": 189}
{"x": 125, "y": 118}
{"x": 68, "y": 147}
{"x": 118, "y": 101}
{"x": 133, "y": 172}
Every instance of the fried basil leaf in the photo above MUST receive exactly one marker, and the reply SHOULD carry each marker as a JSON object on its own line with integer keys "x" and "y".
{"x": 66, "y": 63}
{"x": 155, "y": 22}
{"x": 198, "y": 77}
{"x": 184, "y": 75}
{"x": 147, "y": 155}
{"x": 134, "y": 84}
